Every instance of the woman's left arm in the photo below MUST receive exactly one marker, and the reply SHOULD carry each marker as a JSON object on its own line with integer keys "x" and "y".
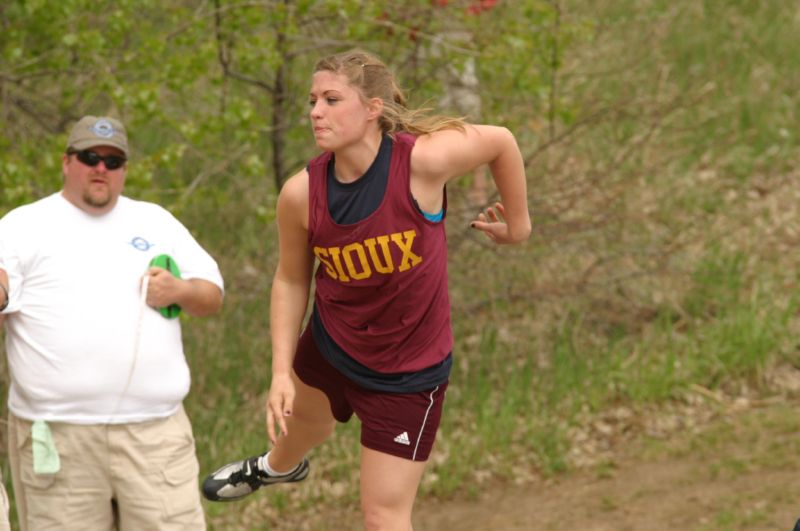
{"x": 444, "y": 155}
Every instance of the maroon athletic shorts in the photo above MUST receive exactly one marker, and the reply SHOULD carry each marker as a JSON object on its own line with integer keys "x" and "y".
{"x": 401, "y": 424}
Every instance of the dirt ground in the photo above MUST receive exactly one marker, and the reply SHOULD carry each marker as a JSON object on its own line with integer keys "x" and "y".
{"x": 741, "y": 471}
{"x": 679, "y": 492}
{"x": 738, "y": 469}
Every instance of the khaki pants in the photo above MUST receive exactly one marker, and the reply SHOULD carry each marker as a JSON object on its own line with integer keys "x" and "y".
{"x": 136, "y": 476}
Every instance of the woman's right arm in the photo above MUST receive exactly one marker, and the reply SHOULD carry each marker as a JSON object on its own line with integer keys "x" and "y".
{"x": 290, "y": 290}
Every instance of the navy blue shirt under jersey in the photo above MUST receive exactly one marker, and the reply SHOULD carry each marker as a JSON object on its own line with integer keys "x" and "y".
{"x": 350, "y": 203}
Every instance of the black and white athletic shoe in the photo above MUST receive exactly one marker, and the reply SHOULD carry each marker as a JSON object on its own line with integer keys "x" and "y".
{"x": 236, "y": 480}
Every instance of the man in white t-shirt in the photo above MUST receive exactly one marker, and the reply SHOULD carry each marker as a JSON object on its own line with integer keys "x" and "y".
{"x": 98, "y": 438}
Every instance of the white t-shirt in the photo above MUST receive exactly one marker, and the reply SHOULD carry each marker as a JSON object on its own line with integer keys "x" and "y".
{"x": 74, "y": 314}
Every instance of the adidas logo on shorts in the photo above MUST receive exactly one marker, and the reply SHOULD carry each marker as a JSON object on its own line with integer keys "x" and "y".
{"x": 403, "y": 439}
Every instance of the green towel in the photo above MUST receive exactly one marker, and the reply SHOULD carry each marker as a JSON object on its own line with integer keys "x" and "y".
{"x": 45, "y": 453}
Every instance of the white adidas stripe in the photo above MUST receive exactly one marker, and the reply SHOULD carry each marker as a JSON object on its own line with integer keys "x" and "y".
{"x": 424, "y": 421}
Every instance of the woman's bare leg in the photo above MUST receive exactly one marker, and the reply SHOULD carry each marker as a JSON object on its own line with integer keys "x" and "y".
{"x": 388, "y": 489}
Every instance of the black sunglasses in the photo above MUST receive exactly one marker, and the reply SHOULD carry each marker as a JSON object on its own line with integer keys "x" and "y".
{"x": 92, "y": 159}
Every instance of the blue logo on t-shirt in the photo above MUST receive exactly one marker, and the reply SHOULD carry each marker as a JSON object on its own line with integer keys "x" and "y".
{"x": 141, "y": 244}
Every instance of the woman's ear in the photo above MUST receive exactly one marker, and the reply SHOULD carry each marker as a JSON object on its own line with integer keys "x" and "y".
{"x": 375, "y": 108}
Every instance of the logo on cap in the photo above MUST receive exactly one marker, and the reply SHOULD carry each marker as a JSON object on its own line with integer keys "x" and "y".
{"x": 102, "y": 128}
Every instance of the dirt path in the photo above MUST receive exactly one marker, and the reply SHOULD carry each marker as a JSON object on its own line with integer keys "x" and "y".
{"x": 740, "y": 471}
{"x": 666, "y": 495}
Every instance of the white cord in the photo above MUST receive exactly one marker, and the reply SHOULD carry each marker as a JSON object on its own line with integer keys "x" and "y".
{"x": 136, "y": 340}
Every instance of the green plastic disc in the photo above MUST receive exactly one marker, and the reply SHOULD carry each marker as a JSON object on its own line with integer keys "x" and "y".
{"x": 165, "y": 261}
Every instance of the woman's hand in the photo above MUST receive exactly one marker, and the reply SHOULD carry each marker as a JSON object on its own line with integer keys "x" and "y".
{"x": 279, "y": 405}
{"x": 492, "y": 223}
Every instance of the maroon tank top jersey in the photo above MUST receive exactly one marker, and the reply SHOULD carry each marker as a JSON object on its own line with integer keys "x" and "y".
{"x": 381, "y": 287}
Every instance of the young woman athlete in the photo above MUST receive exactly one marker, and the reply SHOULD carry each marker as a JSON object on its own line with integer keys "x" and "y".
{"x": 378, "y": 343}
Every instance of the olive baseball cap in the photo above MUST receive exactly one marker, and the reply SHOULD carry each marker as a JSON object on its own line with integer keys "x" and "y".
{"x": 91, "y": 131}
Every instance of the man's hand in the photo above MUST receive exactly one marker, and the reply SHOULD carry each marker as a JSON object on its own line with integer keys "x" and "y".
{"x": 4, "y": 295}
{"x": 163, "y": 288}
{"x": 195, "y": 296}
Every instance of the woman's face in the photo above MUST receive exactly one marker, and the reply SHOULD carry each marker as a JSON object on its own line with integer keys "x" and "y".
{"x": 339, "y": 116}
